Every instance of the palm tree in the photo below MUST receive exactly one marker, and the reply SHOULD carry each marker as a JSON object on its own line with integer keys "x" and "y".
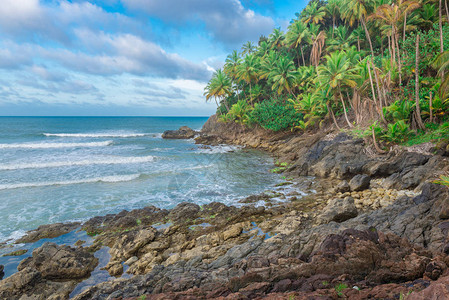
{"x": 341, "y": 40}
{"x": 263, "y": 49}
{"x": 248, "y": 48}
{"x": 442, "y": 64}
{"x": 284, "y": 75}
{"x": 358, "y": 34}
{"x": 276, "y": 38}
{"x": 390, "y": 15}
{"x": 219, "y": 87}
{"x": 313, "y": 14}
{"x": 298, "y": 33}
{"x": 357, "y": 11}
{"x": 335, "y": 75}
{"x": 317, "y": 41}
{"x": 249, "y": 71}
{"x": 332, "y": 9}
{"x": 268, "y": 63}
{"x": 428, "y": 16}
{"x": 232, "y": 63}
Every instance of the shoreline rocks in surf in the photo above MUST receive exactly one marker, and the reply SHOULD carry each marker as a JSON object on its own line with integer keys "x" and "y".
{"x": 183, "y": 132}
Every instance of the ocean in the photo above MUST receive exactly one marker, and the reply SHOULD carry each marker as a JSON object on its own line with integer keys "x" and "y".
{"x": 60, "y": 169}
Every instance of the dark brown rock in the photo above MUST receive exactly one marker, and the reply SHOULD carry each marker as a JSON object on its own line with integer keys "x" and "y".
{"x": 359, "y": 183}
{"x": 183, "y": 132}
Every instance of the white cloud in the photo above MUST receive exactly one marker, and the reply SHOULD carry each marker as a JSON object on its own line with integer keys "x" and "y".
{"x": 227, "y": 20}
{"x": 126, "y": 53}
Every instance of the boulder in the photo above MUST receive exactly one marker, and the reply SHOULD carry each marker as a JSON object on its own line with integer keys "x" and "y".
{"x": 338, "y": 210}
{"x": 51, "y": 273}
{"x": 183, "y": 132}
{"x": 60, "y": 262}
{"x": 436, "y": 290}
{"x": 343, "y": 187}
{"x": 359, "y": 183}
{"x": 127, "y": 245}
{"x": 2, "y": 273}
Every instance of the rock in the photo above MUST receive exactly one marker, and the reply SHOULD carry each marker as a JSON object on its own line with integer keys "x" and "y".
{"x": 343, "y": 187}
{"x": 60, "y": 262}
{"x": 114, "y": 268}
{"x": 51, "y": 273}
{"x": 338, "y": 210}
{"x": 255, "y": 198}
{"x": 130, "y": 242}
{"x": 359, "y": 183}
{"x": 183, "y": 132}
{"x": 184, "y": 211}
{"x": 2, "y": 273}
{"x": 436, "y": 290}
{"x": 47, "y": 232}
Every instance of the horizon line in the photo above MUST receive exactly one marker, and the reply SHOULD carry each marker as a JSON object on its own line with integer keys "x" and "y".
{"x": 81, "y": 116}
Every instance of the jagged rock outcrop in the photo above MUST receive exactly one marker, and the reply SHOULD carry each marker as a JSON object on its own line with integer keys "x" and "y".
{"x": 51, "y": 273}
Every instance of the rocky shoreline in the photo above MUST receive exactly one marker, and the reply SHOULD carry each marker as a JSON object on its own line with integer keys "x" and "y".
{"x": 346, "y": 223}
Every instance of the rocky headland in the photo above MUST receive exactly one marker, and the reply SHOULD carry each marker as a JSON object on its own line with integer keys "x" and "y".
{"x": 346, "y": 223}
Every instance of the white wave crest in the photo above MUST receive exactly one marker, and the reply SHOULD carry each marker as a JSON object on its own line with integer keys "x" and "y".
{"x": 96, "y": 135}
{"x": 54, "y": 145}
{"x": 219, "y": 149}
{"x": 87, "y": 162}
{"x": 107, "y": 179}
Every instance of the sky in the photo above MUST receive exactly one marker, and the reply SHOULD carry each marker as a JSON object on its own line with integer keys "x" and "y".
{"x": 123, "y": 57}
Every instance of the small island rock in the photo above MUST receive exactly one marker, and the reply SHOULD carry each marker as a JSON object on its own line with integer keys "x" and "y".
{"x": 183, "y": 132}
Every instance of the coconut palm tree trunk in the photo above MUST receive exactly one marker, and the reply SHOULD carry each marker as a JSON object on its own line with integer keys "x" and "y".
{"x": 329, "y": 109}
{"x": 399, "y": 57}
{"x": 418, "y": 108}
{"x": 447, "y": 10}
{"x": 405, "y": 25}
{"x": 344, "y": 109}
{"x": 303, "y": 60}
{"x": 430, "y": 107}
{"x": 368, "y": 36}
{"x": 250, "y": 93}
{"x": 440, "y": 23}
{"x": 333, "y": 26}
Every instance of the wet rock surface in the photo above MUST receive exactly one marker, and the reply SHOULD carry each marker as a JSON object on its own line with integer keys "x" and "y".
{"x": 183, "y": 132}
{"x": 51, "y": 273}
{"x": 48, "y": 232}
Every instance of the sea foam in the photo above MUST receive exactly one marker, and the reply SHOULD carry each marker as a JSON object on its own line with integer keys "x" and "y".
{"x": 54, "y": 145}
{"x": 107, "y": 179}
{"x": 95, "y": 135}
{"x": 87, "y": 162}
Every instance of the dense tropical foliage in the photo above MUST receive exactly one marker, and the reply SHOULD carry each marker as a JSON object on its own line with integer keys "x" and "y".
{"x": 377, "y": 66}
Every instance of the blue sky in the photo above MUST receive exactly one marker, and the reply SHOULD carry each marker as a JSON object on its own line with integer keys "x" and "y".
{"x": 123, "y": 57}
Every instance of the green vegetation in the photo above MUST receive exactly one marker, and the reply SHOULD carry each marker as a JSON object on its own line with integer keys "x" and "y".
{"x": 280, "y": 167}
{"x": 16, "y": 253}
{"x": 444, "y": 180}
{"x": 380, "y": 68}
{"x": 339, "y": 288}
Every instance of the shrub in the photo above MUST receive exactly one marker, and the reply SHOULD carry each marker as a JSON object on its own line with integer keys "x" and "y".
{"x": 275, "y": 114}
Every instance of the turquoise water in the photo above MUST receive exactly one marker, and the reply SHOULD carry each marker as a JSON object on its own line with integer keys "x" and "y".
{"x": 58, "y": 169}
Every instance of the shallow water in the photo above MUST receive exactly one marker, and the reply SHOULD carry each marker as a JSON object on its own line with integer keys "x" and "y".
{"x": 71, "y": 169}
